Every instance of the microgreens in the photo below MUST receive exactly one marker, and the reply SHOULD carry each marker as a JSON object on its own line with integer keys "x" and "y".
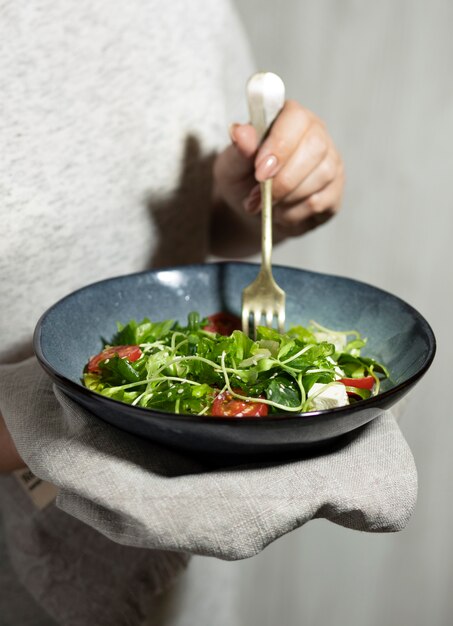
{"x": 183, "y": 368}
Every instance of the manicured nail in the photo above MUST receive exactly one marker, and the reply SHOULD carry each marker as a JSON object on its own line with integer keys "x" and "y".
{"x": 253, "y": 201}
{"x": 266, "y": 168}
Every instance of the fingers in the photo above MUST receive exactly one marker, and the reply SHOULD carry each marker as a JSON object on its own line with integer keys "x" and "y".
{"x": 244, "y": 138}
{"x": 284, "y": 138}
{"x": 298, "y": 143}
{"x": 310, "y": 212}
{"x": 236, "y": 162}
{"x": 305, "y": 167}
{"x": 300, "y": 157}
{"x": 292, "y": 190}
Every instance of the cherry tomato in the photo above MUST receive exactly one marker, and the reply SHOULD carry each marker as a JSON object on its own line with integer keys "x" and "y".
{"x": 367, "y": 382}
{"x": 225, "y": 405}
{"x": 131, "y": 353}
{"x": 223, "y": 323}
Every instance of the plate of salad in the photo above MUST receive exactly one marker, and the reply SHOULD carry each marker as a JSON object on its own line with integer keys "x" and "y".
{"x": 161, "y": 354}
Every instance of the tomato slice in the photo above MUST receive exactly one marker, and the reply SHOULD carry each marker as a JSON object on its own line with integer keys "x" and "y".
{"x": 226, "y": 405}
{"x": 223, "y": 323}
{"x": 366, "y": 382}
{"x": 131, "y": 353}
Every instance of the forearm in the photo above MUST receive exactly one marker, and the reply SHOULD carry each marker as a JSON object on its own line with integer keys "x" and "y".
{"x": 10, "y": 459}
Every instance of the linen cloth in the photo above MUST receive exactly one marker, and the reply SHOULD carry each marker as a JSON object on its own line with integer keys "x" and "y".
{"x": 138, "y": 493}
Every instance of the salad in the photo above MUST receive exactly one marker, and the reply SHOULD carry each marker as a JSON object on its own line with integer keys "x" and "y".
{"x": 210, "y": 367}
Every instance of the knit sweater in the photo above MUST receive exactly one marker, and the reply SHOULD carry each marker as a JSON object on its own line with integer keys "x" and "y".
{"x": 110, "y": 115}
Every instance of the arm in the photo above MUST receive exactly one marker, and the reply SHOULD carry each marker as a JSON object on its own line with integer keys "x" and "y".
{"x": 308, "y": 180}
{"x": 9, "y": 456}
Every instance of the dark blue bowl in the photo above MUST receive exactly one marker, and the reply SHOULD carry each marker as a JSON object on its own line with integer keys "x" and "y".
{"x": 72, "y": 330}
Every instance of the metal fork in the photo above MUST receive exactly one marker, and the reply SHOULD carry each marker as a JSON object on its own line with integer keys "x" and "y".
{"x": 263, "y": 297}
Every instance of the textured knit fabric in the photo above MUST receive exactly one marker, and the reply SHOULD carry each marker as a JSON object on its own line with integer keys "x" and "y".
{"x": 110, "y": 115}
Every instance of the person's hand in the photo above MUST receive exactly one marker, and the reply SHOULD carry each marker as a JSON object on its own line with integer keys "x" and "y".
{"x": 300, "y": 157}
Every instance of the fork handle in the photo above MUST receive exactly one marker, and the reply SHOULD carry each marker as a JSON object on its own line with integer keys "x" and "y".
{"x": 266, "y": 97}
{"x": 266, "y": 226}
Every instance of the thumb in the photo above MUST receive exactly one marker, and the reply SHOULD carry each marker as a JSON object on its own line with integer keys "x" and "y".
{"x": 237, "y": 161}
{"x": 244, "y": 138}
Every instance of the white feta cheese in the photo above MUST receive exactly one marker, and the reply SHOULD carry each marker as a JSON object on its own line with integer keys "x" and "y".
{"x": 339, "y": 340}
{"x": 327, "y": 396}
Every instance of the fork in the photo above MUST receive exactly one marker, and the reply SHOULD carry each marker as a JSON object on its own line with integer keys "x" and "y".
{"x": 263, "y": 297}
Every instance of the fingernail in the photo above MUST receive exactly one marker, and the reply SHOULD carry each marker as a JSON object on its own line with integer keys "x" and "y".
{"x": 266, "y": 168}
{"x": 252, "y": 202}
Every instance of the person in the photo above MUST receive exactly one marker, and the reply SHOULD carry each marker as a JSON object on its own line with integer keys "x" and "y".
{"x": 115, "y": 158}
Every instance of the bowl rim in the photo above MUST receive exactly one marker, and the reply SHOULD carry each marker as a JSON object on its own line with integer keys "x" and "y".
{"x": 384, "y": 397}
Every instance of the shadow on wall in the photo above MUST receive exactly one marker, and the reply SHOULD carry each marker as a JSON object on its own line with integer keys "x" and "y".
{"x": 181, "y": 221}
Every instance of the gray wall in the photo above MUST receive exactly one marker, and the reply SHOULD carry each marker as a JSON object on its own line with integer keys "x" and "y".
{"x": 380, "y": 75}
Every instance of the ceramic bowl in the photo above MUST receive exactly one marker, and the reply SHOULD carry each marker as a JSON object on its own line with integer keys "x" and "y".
{"x": 72, "y": 330}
